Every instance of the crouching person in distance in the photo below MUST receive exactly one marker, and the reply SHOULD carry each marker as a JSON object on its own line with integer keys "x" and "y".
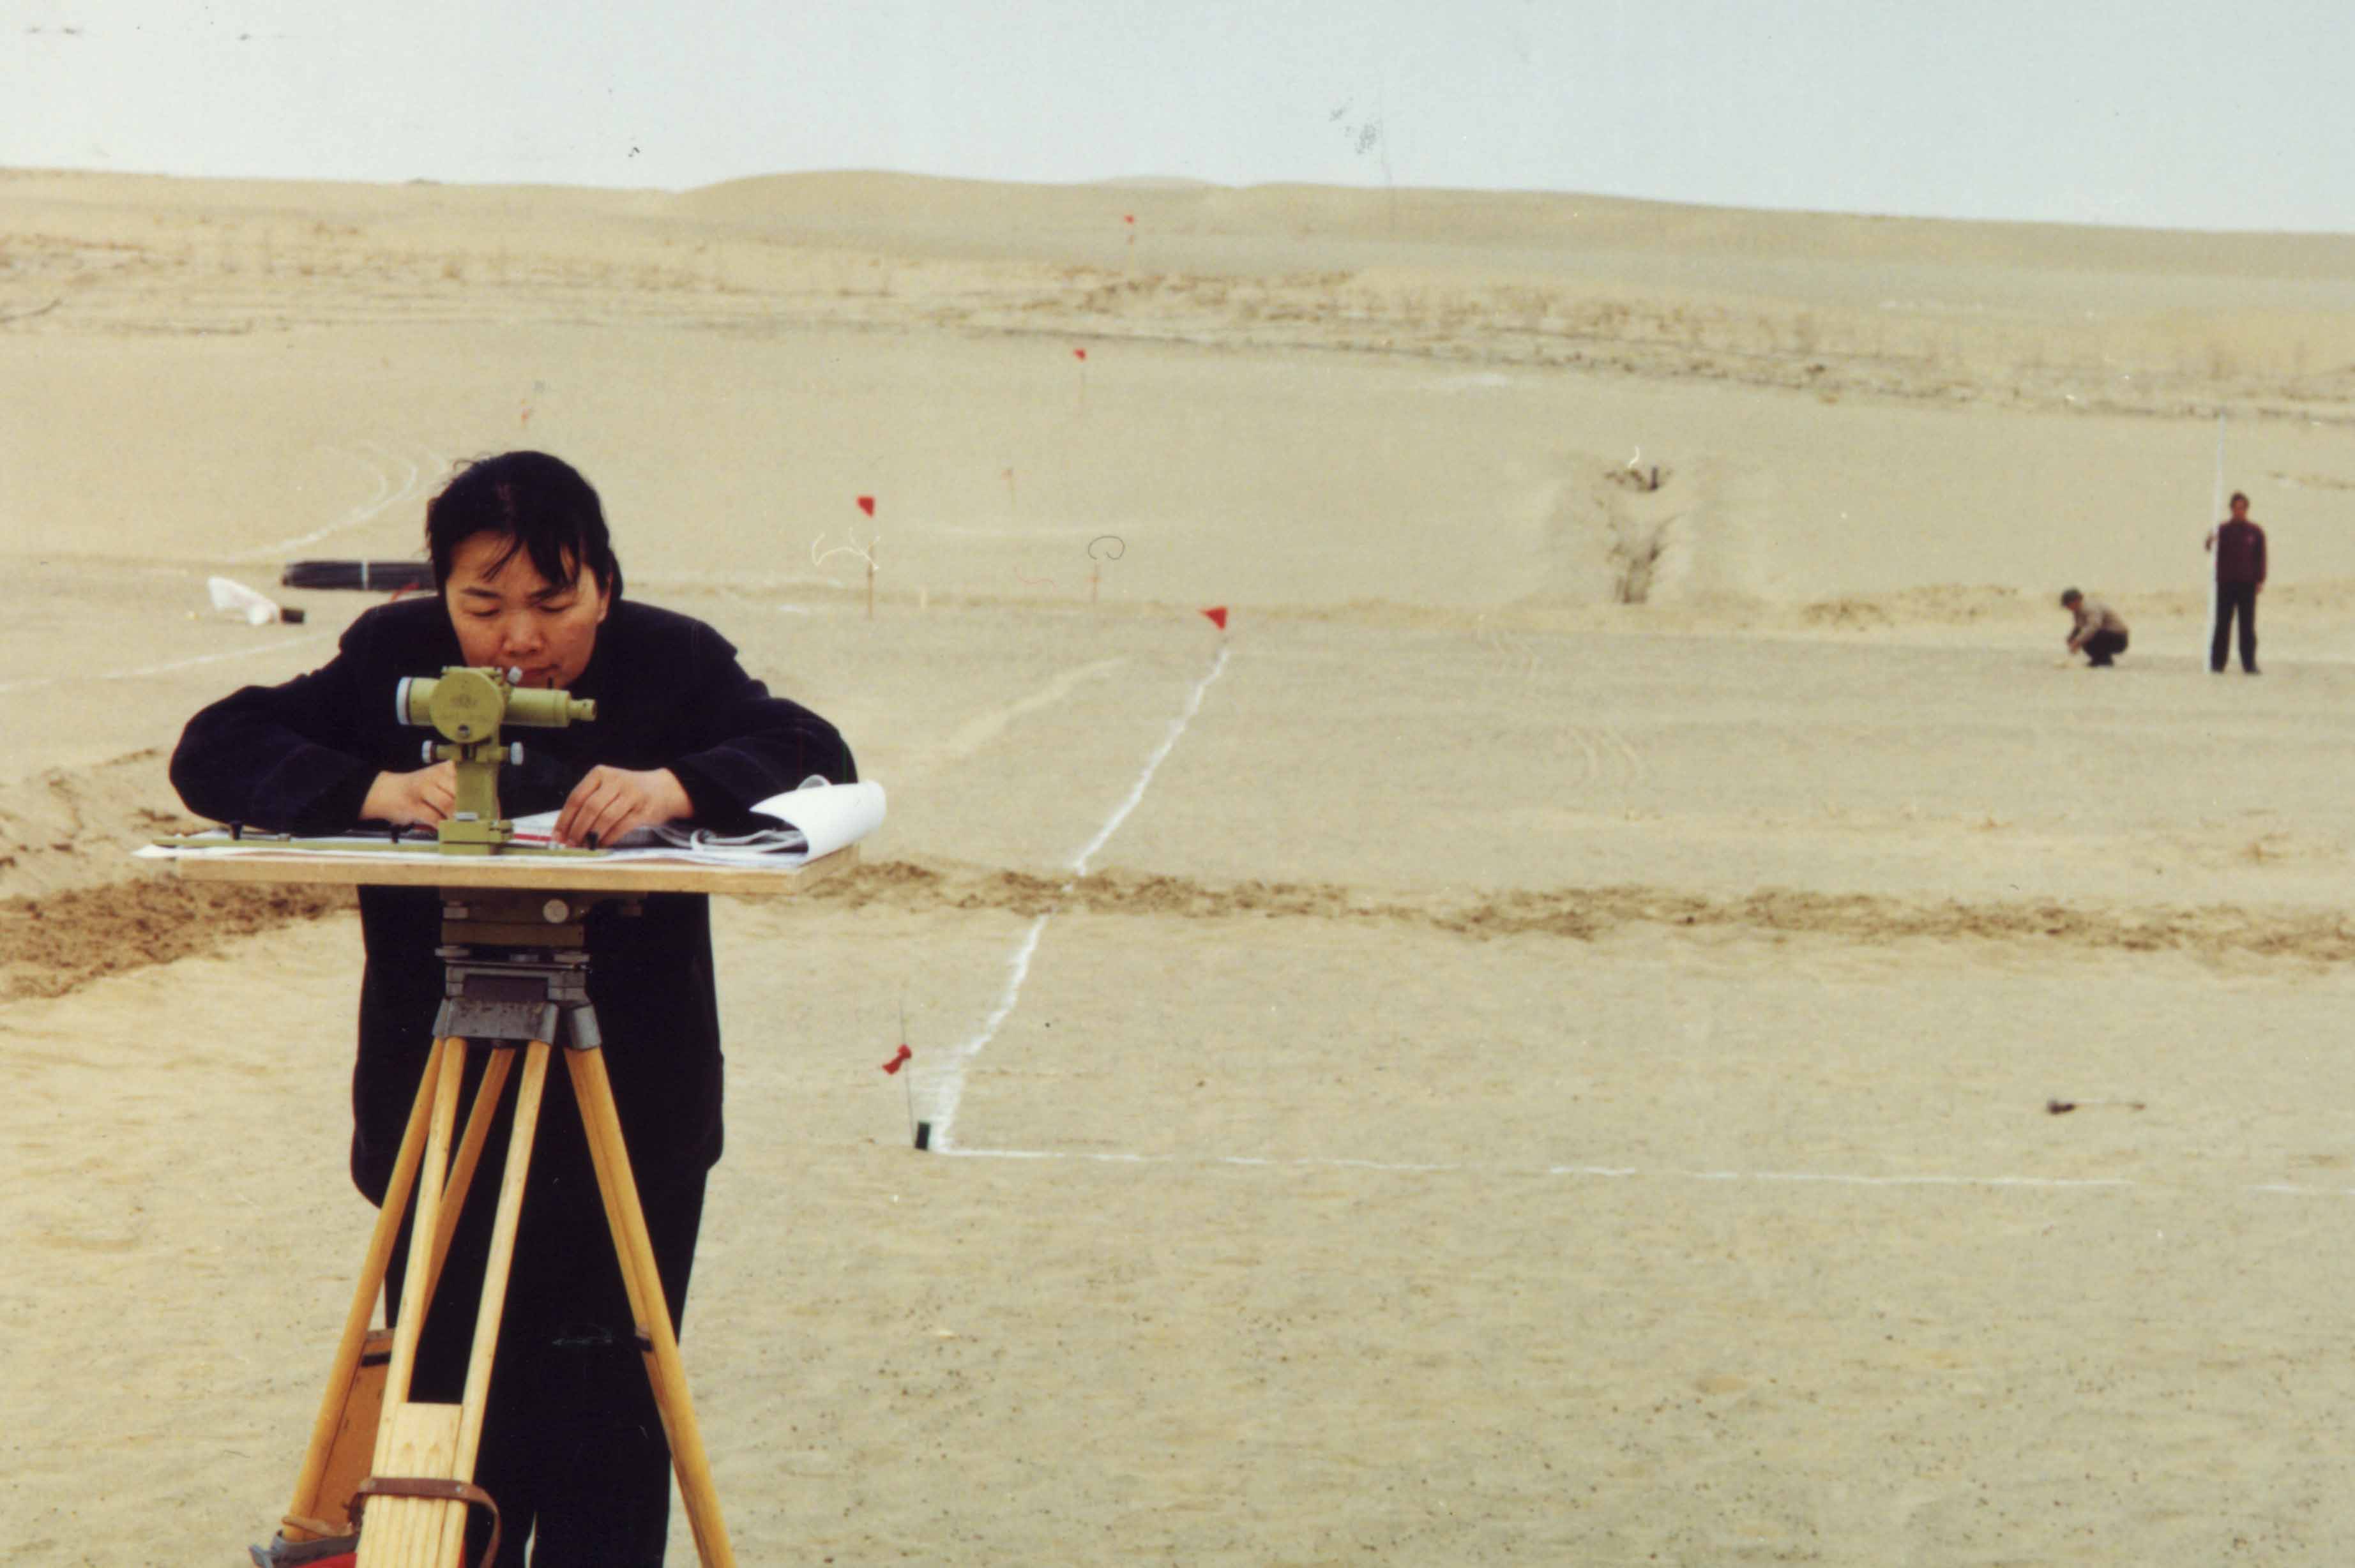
{"x": 2099, "y": 632}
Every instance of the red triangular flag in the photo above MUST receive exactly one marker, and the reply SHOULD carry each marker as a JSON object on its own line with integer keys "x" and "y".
{"x": 1079, "y": 352}
{"x": 867, "y": 505}
{"x": 898, "y": 1061}
{"x": 1128, "y": 218}
{"x": 1217, "y": 615}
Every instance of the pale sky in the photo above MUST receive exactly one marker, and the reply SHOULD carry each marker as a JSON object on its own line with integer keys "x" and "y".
{"x": 2162, "y": 113}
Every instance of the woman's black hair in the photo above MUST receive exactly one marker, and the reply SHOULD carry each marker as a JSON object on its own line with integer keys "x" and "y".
{"x": 540, "y": 505}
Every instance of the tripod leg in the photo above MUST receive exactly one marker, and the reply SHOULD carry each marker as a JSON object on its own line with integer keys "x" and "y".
{"x": 309, "y": 1481}
{"x": 627, "y": 1220}
{"x": 420, "y": 1441}
{"x": 470, "y": 1154}
{"x": 414, "y": 1298}
{"x": 502, "y": 1259}
{"x": 424, "y": 1444}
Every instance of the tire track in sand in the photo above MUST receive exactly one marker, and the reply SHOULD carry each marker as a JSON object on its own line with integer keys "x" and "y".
{"x": 390, "y": 491}
{"x": 1604, "y": 756}
{"x": 983, "y": 729}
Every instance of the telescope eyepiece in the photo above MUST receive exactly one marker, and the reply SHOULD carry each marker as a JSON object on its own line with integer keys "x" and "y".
{"x": 536, "y": 709}
{"x": 471, "y": 706}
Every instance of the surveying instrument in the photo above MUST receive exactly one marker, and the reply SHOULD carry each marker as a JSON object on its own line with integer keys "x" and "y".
{"x": 386, "y": 1477}
{"x": 468, "y": 707}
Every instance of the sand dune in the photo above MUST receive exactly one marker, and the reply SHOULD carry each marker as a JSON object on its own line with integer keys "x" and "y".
{"x": 1533, "y": 1043}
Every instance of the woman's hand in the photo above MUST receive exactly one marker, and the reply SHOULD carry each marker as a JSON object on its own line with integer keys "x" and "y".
{"x": 418, "y": 799}
{"x": 610, "y": 801}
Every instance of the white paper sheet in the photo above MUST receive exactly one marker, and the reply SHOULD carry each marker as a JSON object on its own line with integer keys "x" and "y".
{"x": 811, "y": 822}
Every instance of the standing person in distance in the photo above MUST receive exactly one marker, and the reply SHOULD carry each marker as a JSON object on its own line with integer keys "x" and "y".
{"x": 2239, "y": 547}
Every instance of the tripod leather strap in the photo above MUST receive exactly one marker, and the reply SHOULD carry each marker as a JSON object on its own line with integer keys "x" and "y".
{"x": 433, "y": 1489}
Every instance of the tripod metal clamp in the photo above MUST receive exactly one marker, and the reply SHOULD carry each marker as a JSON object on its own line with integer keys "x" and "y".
{"x": 489, "y": 999}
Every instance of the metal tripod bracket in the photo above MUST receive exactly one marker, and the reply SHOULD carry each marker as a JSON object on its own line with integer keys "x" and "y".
{"x": 518, "y": 999}
{"x": 515, "y": 965}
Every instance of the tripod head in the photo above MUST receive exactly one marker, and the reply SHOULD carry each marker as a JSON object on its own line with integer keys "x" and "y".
{"x": 468, "y": 707}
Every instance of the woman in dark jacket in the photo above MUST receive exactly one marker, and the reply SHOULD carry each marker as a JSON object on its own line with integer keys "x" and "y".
{"x": 572, "y": 1445}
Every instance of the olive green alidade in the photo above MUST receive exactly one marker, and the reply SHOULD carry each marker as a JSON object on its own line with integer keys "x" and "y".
{"x": 468, "y": 707}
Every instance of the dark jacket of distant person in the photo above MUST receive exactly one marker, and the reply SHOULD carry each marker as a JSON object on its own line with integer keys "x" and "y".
{"x": 2239, "y": 546}
{"x": 300, "y": 757}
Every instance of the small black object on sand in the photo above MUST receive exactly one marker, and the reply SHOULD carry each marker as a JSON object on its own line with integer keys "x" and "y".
{"x": 367, "y": 576}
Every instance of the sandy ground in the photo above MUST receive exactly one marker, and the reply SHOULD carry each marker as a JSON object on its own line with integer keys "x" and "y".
{"x": 1534, "y": 1045}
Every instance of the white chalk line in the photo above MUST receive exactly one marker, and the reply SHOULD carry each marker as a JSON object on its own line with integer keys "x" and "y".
{"x": 1136, "y": 794}
{"x": 167, "y": 666}
{"x": 947, "y": 1086}
{"x": 950, "y": 1086}
{"x": 1623, "y": 1172}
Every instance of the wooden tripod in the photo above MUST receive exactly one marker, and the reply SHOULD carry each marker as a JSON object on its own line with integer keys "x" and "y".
{"x": 412, "y": 1462}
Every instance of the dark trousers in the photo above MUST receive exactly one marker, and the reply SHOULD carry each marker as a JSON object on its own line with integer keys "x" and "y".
{"x": 573, "y": 1448}
{"x": 2104, "y": 646}
{"x": 2240, "y": 599}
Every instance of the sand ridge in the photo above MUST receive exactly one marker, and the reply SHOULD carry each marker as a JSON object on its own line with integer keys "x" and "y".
{"x": 1587, "y": 913}
{"x": 2087, "y": 321}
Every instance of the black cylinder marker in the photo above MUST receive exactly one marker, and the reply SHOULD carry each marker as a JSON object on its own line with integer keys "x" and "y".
{"x": 923, "y": 1135}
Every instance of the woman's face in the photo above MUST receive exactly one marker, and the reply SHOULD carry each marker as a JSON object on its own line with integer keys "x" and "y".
{"x": 513, "y": 618}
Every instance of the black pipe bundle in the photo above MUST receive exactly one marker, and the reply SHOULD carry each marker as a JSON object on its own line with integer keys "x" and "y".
{"x": 367, "y": 576}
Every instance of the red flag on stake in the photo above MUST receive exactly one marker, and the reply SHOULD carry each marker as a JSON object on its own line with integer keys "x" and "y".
{"x": 1217, "y": 615}
{"x": 898, "y": 1061}
{"x": 1079, "y": 354}
{"x": 867, "y": 505}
